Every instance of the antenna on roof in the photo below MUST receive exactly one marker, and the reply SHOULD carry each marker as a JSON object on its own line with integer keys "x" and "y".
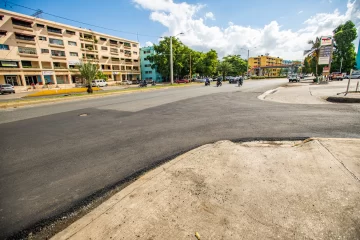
{"x": 38, "y": 13}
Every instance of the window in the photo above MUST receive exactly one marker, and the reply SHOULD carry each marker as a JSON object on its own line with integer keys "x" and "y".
{"x": 26, "y": 64}
{"x": 103, "y": 39}
{"x": 56, "y": 64}
{"x": 2, "y": 33}
{"x": 146, "y": 52}
{"x": 9, "y": 64}
{"x": 70, "y": 32}
{"x": 71, "y": 43}
{"x": 24, "y": 37}
{"x": 54, "y": 30}
{"x": 147, "y": 65}
{"x": 134, "y": 52}
{"x": 121, "y": 50}
{"x": 135, "y": 60}
{"x": 57, "y": 53}
{"x": 103, "y": 48}
{"x": 115, "y": 59}
{"x": 126, "y": 44}
{"x": 134, "y": 45}
{"x": 105, "y": 57}
{"x": 113, "y": 50}
{"x": 43, "y": 50}
{"x": 56, "y": 41}
{"x": 21, "y": 23}
{"x": 74, "y": 54}
{"x": 4, "y": 47}
{"x": 27, "y": 50}
{"x": 113, "y": 42}
{"x": 42, "y": 38}
{"x": 40, "y": 25}
{"x": 1, "y": 17}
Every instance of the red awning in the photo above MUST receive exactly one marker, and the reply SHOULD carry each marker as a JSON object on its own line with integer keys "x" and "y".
{"x": 20, "y": 19}
{"x": 25, "y": 34}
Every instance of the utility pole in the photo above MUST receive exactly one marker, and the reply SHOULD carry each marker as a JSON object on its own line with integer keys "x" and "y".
{"x": 341, "y": 63}
{"x": 247, "y": 65}
{"x": 190, "y": 68}
{"x": 171, "y": 63}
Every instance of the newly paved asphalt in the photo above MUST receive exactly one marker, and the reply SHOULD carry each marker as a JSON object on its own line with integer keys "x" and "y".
{"x": 52, "y": 158}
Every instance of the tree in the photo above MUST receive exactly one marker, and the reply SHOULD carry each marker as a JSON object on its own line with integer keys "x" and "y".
{"x": 306, "y": 69}
{"x": 224, "y": 68}
{"x": 314, "y": 55}
{"x": 344, "y": 35}
{"x": 101, "y": 75}
{"x": 88, "y": 71}
{"x": 239, "y": 64}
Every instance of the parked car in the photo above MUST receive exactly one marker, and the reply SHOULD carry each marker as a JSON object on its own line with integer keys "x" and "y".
{"x": 294, "y": 78}
{"x": 6, "y": 88}
{"x": 182, "y": 81}
{"x": 99, "y": 83}
{"x": 353, "y": 76}
{"x": 232, "y": 79}
{"x": 336, "y": 76}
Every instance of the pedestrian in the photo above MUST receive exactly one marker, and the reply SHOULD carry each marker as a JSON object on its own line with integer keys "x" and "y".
{"x": 33, "y": 85}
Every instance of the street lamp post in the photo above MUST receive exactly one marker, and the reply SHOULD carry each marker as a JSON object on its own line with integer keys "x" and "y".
{"x": 171, "y": 59}
{"x": 248, "y": 56}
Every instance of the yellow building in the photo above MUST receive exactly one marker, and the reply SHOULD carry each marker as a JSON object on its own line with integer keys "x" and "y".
{"x": 34, "y": 50}
{"x": 261, "y": 65}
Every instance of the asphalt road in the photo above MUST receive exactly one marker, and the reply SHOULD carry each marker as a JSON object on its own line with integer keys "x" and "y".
{"x": 52, "y": 158}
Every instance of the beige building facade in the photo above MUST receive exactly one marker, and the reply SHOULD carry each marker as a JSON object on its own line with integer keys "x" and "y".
{"x": 38, "y": 51}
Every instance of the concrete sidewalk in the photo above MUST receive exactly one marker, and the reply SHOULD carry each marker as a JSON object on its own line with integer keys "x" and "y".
{"x": 306, "y": 92}
{"x": 252, "y": 190}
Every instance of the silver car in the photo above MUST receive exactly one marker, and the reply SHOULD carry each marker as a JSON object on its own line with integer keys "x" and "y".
{"x": 6, "y": 88}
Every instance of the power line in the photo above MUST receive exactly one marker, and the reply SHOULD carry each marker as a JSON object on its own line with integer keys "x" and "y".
{"x": 68, "y": 19}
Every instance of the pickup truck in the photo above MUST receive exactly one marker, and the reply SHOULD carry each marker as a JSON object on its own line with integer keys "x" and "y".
{"x": 336, "y": 76}
{"x": 294, "y": 78}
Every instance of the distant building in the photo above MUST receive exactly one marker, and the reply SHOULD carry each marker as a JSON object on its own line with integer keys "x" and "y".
{"x": 262, "y": 65}
{"x": 287, "y": 62}
{"x": 358, "y": 58}
{"x": 147, "y": 72}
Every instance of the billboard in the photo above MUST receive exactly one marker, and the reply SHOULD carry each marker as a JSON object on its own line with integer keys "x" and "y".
{"x": 325, "y": 54}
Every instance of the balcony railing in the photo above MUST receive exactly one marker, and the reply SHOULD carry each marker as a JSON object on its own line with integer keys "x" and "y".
{"x": 28, "y": 51}
{"x": 60, "y": 67}
{"x": 30, "y": 67}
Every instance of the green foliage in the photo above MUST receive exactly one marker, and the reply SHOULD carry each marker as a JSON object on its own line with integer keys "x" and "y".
{"x": 201, "y": 63}
{"x": 344, "y": 35}
{"x": 313, "y": 57}
{"x": 306, "y": 69}
{"x": 101, "y": 75}
{"x": 224, "y": 68}
{"x": 239, "y": 64}
{"x": 88, "y": 71}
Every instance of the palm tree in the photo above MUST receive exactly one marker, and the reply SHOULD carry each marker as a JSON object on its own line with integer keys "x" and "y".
{"x": 88, "y": 71}
{"x": 224, "y": 68}
{"x": 314, "y": 54}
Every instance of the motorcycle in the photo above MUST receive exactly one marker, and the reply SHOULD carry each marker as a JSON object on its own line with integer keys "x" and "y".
{"x": 240, "y": 82}
{"x": 219, "y": 84}
{"x": 143, "y": 84}
{"x": 153, "y": 83}
{"x": 207, "y": 83}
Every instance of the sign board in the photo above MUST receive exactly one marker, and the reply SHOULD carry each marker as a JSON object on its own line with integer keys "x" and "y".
{"x": 8, "y": 64}
{"x": 324, "y": 55}
{"x": 76, "y": 62}
{"x": 108, "y": 73}
{"x": 47, "y": 73}
{"x": 326, "y": 69}
{"x": 116, "y": 73}
{"x": 325, "y": 41}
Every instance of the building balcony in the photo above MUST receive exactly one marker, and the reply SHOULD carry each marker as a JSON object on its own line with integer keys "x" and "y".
{"x": 87, "y": 39}
{"x": 24, "y": 68}
{"x": 56, "y": 45}
{"x": 55, "y": 33}
{"x": 114, "y": 53}
{"x": 58, "y": 56}
{"x": 89, "y": 50}
{"x": 31, "y": 42}
{"x": 28, "y": 29}
{"x": 127, "y": 47}
{"x": 25, "y": 54}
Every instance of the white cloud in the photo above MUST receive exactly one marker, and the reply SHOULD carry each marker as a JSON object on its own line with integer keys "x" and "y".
{"x": 300, "y": 12}
{"x": 209, "y": 15}
{"x": 279, "y": 42}
{"x": 148, "y": 44}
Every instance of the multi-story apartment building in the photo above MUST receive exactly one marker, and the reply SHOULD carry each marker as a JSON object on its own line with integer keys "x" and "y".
{"x": 34, "y": 50}
{"x": 262, "y": 65}
{"x": 147, "y": 72}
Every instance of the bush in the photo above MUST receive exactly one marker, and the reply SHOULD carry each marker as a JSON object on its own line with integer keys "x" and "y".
{"x": 264, "y": 77}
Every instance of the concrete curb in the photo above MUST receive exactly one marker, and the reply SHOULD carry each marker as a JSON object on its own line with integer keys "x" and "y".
{"x": 343, "y": 99}
{"x": 265, "y": 94}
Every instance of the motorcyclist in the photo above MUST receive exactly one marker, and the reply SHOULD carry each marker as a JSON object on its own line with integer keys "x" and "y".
{"x": 207, "y": 81}
{"x": 240, "y": 83}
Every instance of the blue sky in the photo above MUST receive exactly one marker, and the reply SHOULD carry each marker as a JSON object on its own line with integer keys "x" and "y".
{"x": 134, "y": 16}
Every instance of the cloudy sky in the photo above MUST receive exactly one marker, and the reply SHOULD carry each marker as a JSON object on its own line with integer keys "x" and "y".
{"x": 279, "y": 27}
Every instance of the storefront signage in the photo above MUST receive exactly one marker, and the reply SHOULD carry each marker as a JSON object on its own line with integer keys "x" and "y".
{"x": 116, "y": 73}
{"x": 108, "y": 73}
{"x": 8, "y": 64}
{"x": 326, "y": 41}
{"x": 47, "y": 73}
{"x": 326, "y": 69}
{"x": 324, "y": 55}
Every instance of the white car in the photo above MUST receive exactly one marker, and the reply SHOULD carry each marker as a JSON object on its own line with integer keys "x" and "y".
{"x": 99, "y": 83}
